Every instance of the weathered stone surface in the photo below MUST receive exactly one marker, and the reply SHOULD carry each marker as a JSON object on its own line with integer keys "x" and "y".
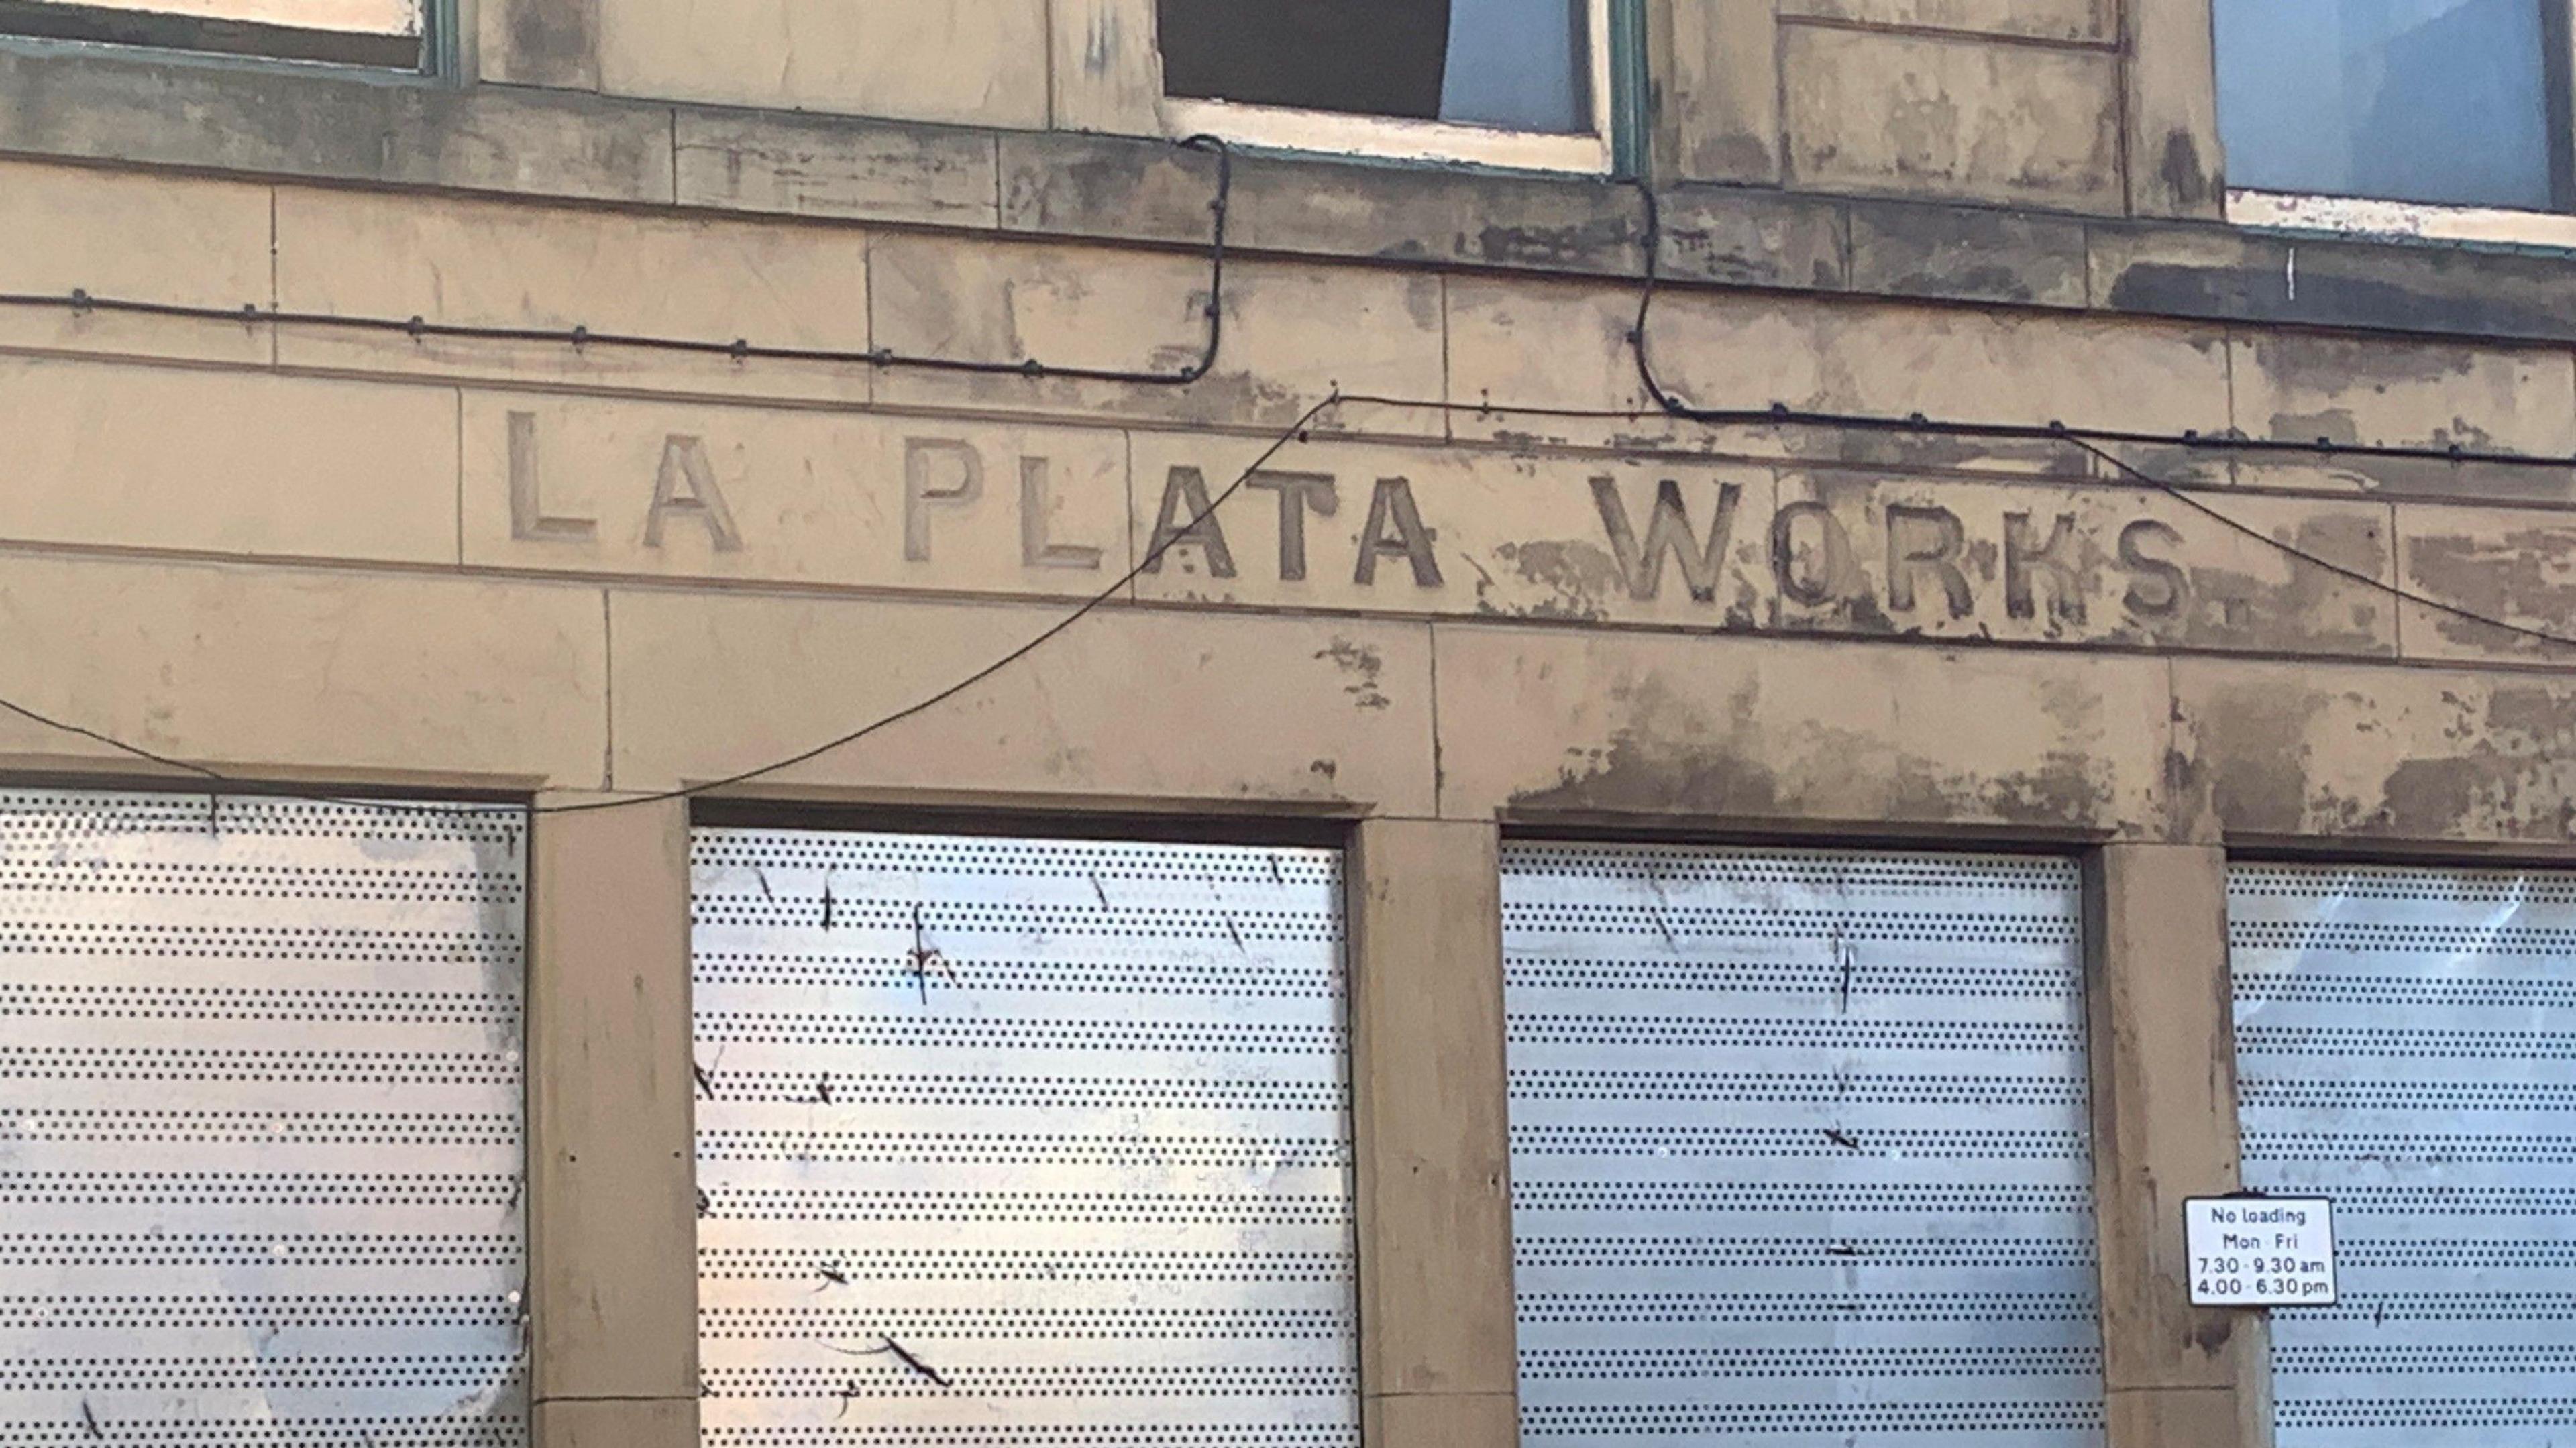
{"x": 1942, "y": 559}
{"x": 1558, "y": 725}
{"x": 2285, "y": 751}
{"x": 1716, "y": 108}
{"x": 2040, "y": 19}
{"x": 2164, "y": 1115}
{"x": 487, "y": 263}
{"x": 228, "y": 462}
{"x": 2174, "y": 156}
{"x": 819, "y": 166}
{"x": 1106, "y": 73}
{"x": 915, "y": 60}
{"x": 1947, "y": 252}
{"x": 309, "y": 674}
{"x": 721, "y": 493}
{"x": 1430, "y": 1104}
{"x": 1924, "y": 116}
{"x": 1128, "y": 709}
{"x": 1107, "y": 187}
{"x": 612, "y": 1219}
{"x": 2378, "y": 391}
{"x": 1516, "y": 344}
{"x": 2517, "y": 565}
{"x": 1293, "y": 332}
{"x": 329, "y": 126}
{"x": 1762, "y": 240}
{"x": 616, "y": 1424}
{"x": 2229, "y": 273}
{"x": 139, "y": 238}
{"x": 1441, "y": 1420}
{"x": 538, "y": 42}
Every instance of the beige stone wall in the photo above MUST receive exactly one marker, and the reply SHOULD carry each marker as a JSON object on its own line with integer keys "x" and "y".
{"x": 314, "y": 555}
{"x": 2089, "y": 106}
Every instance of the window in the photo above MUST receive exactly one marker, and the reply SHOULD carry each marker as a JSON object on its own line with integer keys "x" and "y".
{"x": 1022, "y": 1143}
{"x": 261, "y": 1154}
{"x": 2447, "y": 102}
{"x": 2402, "y": 1048}
{"x": 385, "y": 33}
{"x": 1505, "y": 82}
{"x": 1800, "y": 1149}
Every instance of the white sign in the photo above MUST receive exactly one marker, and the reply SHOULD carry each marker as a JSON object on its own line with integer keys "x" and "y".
{"x": 2260, "y": 1251}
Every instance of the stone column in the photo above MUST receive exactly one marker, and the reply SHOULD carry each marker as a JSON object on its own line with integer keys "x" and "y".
{"x": 2164, "y": 1128}
{"x": 612, "y": 1189}
{"x": 1438, "y": 1364}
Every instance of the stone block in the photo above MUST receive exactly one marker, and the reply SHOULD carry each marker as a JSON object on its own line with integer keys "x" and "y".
{"x": 1293, "y": 332}
{"x": 1126, "y": 709}
{"x": 295, "y": 674}
{"x": 246, "y": 463}
{"x": 2044, "y": 20}
{"x": 498, "y": 264}
{"x": 2515, "y": 565}
{"x": 1956, "y": 254}
{"x": 2270, "y": 752}
{"x": 134, "y": 237}
{"x": 914, "y": 60}
{"x": 538, "y": 42}
{"x": 1545, "y": 725}
{"x": 573, "y": 1423}
{"x": 1919, "y": 115}
{"x": 826, "y": 167}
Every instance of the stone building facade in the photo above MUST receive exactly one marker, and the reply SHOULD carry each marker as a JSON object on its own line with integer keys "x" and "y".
{"x": 1484, "y": 593}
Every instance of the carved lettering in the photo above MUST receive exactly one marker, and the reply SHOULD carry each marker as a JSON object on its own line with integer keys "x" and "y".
{"x": 1668, "y": 530}
{"x": 528, "y": 520}
{"x": 2056, "y": 558}
{"x": 1188, "y": 520}
{"x": 684, "y": 460}
{"x": 1921, "y": 538}
{"x": 1297, "y": 493}
{"x": 1037, "y": 548}
{"x": 1820, "y": 582}
{"x": 2160, "y": 586}
{"x": 921, "y": 472}
{"x": 1392, "y": 503}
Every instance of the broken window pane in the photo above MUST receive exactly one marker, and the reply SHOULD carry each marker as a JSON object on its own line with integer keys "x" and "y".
{"x": 2442, "y": 101}
{"x": 1510, "y": 64}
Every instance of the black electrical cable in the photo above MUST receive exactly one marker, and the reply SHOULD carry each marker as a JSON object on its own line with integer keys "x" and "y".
{"x": 740, "y": 349}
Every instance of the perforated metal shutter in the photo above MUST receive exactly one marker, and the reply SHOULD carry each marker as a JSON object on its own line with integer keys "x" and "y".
{"x": 1022, "y": 1142}
{"x": 259, "y": 1123}
{"x": 2406, "y": 1046}
{"x": 1799, "y": 1149}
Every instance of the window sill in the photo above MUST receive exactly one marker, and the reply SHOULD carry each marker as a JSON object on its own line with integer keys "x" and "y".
{"x": 1385, "y": 138}
{"x": 2368, "y": 220}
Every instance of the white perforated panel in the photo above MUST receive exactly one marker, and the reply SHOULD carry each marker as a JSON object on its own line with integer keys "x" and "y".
{"x": 2406, "y": 1045}
{"x": 1022, "y": 1144}
{"x": 259, "y": 1123}
{"x": 1799, "y": 1150}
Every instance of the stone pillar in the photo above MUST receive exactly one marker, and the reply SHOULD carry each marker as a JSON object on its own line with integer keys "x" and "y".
{"x": 2164, "y": 1128}
{"x": 2176, "y": 165}
{"x": 612, "y": 1190}
{"x": 1438, "y": 1364}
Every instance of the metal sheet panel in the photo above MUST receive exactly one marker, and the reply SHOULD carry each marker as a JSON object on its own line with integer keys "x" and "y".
{"x": 2406, "y": 1046}
{"x": 260, "y": 1146}
{"x": 1022, "y": 1142}
{"x": 1799, "y": 1149}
